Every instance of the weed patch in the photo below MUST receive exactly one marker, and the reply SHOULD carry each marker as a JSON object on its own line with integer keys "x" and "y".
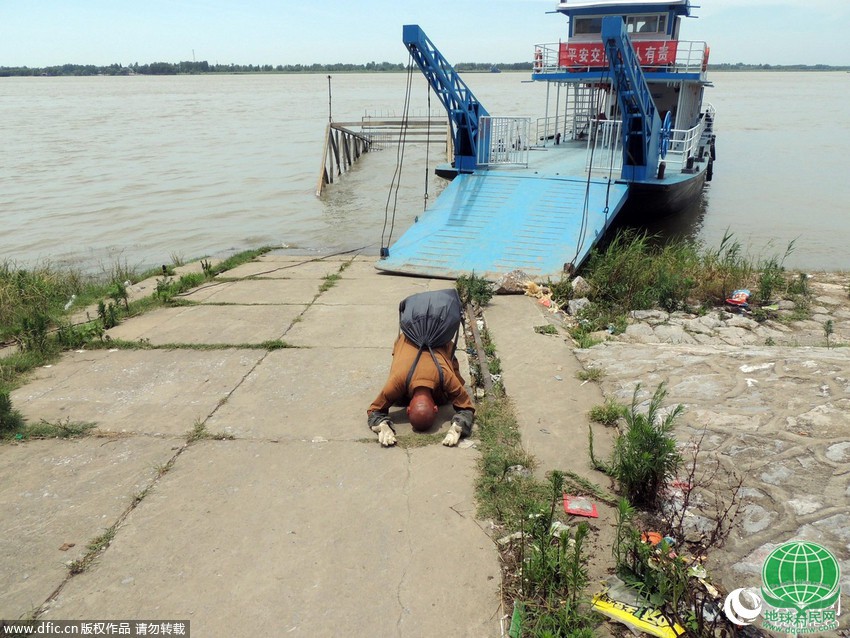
{"x": 636, "y": 272}
{"x": 199, "y": 432}
{"x": 475, "y": 290}
{"x": 95, "y": 547}
{"x": 547, "y": 329}
{"x": 590, "y": 374}
{"x": 10, "y": 420}
{"x": 65, "y": 429}
{"x": 34, "y": 304}
{"x": 608, "y": 413}
{"x": 238, "y": 259}
{"x": 415, "y": 440}
{"x": 546, "y": 571}
{"x": 645, "y": 456}
{"x": 329, "y": 281}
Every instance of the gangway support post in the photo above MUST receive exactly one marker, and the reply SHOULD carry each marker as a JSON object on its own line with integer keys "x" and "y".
{"x": 463, "y": 108}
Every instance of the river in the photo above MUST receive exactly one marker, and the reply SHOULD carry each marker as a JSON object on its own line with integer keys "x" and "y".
{"x": 145, "y": 170}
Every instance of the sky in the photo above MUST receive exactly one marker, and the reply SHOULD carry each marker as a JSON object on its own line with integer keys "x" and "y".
{"x": 38, "y": 33}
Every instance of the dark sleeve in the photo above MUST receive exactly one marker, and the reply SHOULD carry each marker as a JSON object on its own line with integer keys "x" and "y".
{"x": 464, "y": 418}
{"x": 374, "y": 418}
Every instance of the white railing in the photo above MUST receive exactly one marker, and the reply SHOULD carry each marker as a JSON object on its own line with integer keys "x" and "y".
{"x": 503, "y": 141}
{"x": 683, "y": 144}
{"x": 691, "y": 57}
{"x": 604, "y": 145}
{"x": 546, "y": 58}
{"x": 554, "y": 127}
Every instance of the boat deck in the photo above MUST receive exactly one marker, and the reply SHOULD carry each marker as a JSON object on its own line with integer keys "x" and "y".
{"x": 539, "y": 219}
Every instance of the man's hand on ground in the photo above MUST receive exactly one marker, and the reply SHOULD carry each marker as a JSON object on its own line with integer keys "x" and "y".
{"x": 384, "y": 430}
{"x": 453, "y": 435}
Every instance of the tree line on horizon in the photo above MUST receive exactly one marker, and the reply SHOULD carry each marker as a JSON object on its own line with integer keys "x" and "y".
{"x": 196, "y": 68}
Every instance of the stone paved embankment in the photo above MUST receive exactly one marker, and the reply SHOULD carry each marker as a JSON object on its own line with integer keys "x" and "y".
{"x": 773, "y": 402}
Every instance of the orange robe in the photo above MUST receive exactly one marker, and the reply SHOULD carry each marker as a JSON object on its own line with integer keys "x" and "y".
{"x": 396, "y": 389}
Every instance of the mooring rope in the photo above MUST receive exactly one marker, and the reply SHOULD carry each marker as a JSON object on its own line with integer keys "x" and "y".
{"x": 395, "y": 183}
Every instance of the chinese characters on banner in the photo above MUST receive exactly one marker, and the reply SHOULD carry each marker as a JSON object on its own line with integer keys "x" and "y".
{"x": 592, "y": 54}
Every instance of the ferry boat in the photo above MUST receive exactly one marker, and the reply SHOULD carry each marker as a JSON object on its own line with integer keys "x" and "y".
{"x": 623, "y": 131}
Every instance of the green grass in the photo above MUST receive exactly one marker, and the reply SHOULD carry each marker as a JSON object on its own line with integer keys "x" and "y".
{"x": 123, "y": 344}
{"x": 473, "y": 289}
{"x": 40, "y": 293}
{"x": 199, "y": 432}
{"x": 65, "y": 429}
{"x": 608, "y": 413}
{"x": 502, "y": 494}
{"x": 636, "y": 271}
{"x": 415, "y": 439}
{"x": 11, "y": 420}
{"x": 13, "y": 426}
{"x": 238, "y": 259}
{"x": 15, "y": 368}
{"x": 329, "y": 281}
{"x": 547, "y": 329}
{"x": 95, "y": 547}
{"x": 35, "y": 306}
{"x": 583, "y": 338}
{"x": 645, "y": 456}
{"x": 590, "y": 374}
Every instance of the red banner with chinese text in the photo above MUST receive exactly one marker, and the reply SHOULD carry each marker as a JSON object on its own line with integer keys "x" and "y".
{"x": 592, "y": 54}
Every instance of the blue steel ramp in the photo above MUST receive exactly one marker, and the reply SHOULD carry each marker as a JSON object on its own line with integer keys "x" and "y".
{"x": 491, "y": 223}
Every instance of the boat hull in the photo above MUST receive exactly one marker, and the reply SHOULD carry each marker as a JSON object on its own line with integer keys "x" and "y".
{"x": 649, "y": 201}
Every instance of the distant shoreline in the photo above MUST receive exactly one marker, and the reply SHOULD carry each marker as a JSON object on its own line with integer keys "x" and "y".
{"x": 204, "y": 68}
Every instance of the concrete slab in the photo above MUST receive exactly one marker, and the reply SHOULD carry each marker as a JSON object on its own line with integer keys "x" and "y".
{"x": 205, "y": 291}
{"x": 302, "y": 394}
{"x": 288, "y": 258}
{"x": 258, "y": 291}
{"x": 146, "y": 391}
{"x": 209, "y": 324}
{"x": 286, "y": 270}
{"x": 346, "y": 326}
{"x": 260, "y": 539}
{"x": 57, "y": 493}
{"x": 539, "y": 374}
{"x": 379, "y": 289}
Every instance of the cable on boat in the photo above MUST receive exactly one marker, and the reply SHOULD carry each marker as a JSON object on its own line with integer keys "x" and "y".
{"x": 427, "y": 149}
{"x": 586, "y": 207}
{"x": 395, "y": 183}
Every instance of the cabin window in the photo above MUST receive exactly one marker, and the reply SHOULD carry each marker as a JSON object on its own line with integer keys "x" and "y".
{"x": 584, "y": 26}
{"x": 655, "y": 24}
